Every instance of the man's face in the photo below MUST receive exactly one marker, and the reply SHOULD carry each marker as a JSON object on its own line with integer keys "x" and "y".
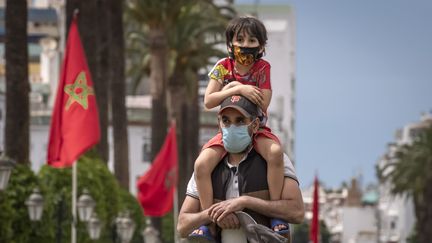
{"x": 231, "y": 116}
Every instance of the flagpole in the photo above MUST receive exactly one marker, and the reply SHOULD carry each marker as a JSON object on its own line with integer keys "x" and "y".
{"x": 175, "y": 215}
{"x": 74, "y": 201}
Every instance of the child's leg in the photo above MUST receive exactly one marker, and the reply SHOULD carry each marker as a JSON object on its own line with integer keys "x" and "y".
{"x": 204, "y": 165}
{"x": 272, "y": 152}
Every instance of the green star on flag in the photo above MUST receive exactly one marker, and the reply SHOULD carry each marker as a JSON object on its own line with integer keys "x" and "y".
{"x": 78, "y": 91}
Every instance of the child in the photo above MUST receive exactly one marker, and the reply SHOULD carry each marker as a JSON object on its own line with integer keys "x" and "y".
{"x": 244, "y": 73}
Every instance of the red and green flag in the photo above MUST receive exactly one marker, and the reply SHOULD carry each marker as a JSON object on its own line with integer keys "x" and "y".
{"x": 157, "y": 186}
{"x": 75, "y": 119}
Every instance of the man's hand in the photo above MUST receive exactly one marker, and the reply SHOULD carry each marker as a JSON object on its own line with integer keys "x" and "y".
{"x": 229, "y": 222}
{"x": 220, "y": 210}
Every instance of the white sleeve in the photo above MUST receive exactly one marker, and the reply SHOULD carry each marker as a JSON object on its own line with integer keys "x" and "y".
{"x": 192, "y": 189}
{"x": 289, "y": 170}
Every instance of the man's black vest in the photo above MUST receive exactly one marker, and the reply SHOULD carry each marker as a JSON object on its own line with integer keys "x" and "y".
{"x": 252, "y": 181}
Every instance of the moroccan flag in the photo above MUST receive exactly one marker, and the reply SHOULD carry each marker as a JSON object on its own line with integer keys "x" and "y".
{"x": 75, "y": 119}
{"x": 156, "y": 187}
{"x": 314, "y": 226}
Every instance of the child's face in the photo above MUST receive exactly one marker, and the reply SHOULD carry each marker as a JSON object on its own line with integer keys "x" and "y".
{"x": 243, "y": 39}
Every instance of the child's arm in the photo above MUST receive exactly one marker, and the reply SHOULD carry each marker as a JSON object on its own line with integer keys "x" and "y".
{"x": 261, "y": 97}
{"x": 216, "y": 93}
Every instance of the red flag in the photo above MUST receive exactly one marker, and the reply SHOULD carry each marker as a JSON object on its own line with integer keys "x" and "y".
{"x": 156, "y": 187}
{"x": 314, "y": 227}
{"x": 75, "y": 119}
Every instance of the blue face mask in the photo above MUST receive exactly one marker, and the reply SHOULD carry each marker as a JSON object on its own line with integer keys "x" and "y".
{"x": 236, "y": 138}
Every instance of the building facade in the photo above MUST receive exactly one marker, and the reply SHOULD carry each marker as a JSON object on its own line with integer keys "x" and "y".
{"x": 396, "y": 213}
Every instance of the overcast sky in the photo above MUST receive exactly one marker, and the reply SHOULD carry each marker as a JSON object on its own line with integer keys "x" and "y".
{"x": 364, "y": 69}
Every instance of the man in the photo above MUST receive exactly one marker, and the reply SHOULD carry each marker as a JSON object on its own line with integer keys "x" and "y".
{"x": 240, "y": 184}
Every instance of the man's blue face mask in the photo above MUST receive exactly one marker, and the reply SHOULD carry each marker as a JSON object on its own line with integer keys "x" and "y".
{"x": 236, "y": 138}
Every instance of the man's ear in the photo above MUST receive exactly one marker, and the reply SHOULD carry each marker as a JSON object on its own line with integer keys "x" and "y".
{"x": 255, "y": 125}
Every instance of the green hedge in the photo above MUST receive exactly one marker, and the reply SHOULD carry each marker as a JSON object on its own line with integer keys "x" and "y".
{"x": 55, "y": 185}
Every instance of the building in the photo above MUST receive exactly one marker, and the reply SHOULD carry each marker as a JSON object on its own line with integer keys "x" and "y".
{"x": 396, "y": 213}
{"x": 348, "y": 213}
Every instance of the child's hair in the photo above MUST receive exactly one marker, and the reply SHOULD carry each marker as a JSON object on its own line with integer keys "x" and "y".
{"x": 251, "y": 25}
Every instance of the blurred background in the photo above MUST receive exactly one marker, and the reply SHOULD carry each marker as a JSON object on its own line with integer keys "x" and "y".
{"x": 351, "y": 95}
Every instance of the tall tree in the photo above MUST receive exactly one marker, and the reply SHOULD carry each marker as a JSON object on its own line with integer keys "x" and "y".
{"x": 156, "y": 16}
{"x": 17, "y": 83}
{"x": 193, "y": 42}
{"x": 410, "y": 174}
{"x": 175, "y": 35}
{"x": 94, "y": 41}
{"x": 118, "y": 92}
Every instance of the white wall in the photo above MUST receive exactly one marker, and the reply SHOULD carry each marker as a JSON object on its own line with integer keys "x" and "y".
{"x": 359, "y": 222}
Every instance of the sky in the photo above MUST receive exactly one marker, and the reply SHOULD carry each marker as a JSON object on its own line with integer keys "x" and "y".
{"x": 364, "y": 70}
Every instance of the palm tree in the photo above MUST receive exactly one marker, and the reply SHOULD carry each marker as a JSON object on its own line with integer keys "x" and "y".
{"x": 193, "y": 42}
{"x": 156, "y": 17}
{"x": 410, "y": 174}
{"x": 156, "y": 30}
{"x": 117, "y": 88}
{"x": 17, "y": 83}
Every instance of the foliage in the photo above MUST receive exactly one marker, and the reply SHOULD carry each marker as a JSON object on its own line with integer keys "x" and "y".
{"x": 193, "y": 33}
{"x": 324, "y": 232}
{"x": 110, "y": 198}
{"x": 409, "y": 173}
{"x": 412, "y": 238}
{"x": 301, "y": 233}
{"x": 168, "y": 228}
{"x": 15, "y": 225}
{"x": 55, "y": 186}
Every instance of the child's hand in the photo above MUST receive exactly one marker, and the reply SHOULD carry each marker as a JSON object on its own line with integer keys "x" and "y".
{"x": 253, "y": 93}
{"x": 231, "y": 85}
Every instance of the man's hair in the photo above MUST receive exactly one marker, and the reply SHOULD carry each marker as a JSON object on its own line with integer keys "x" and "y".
{"x": 248, "y": 24}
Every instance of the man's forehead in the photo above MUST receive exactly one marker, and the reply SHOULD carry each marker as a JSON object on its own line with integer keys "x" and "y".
{"x": 231, "y": 112}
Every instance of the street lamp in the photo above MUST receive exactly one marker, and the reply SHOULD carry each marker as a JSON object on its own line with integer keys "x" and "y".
{"x": 150, "y": 234}
{"x": 125, "y": 227}
{"x": 35, "y": 205}
{"x": 94, "y": 227}
{"x": 6, "y": 166}
{"x": 85, "y": 206}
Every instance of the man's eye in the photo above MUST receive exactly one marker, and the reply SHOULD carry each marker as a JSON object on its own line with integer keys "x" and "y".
{"x": 241, "y": 122}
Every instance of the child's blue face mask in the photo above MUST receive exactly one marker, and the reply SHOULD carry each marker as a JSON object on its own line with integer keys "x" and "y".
{"x": 236, "y": 138}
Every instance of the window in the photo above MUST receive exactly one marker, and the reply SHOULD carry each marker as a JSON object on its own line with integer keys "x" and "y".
{"x": 146, "y": 150}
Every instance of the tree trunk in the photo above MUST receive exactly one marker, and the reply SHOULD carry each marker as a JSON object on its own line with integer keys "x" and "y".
{"x": 189, "y": 133}
{"x": 178, "y": 111}
{"x": 423, "y": 211}
{"x": 17, "y": 84}
{"x": 91, "y": 37}
{"x": 118, "y": 103}
{"x": 158, "y": 74}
